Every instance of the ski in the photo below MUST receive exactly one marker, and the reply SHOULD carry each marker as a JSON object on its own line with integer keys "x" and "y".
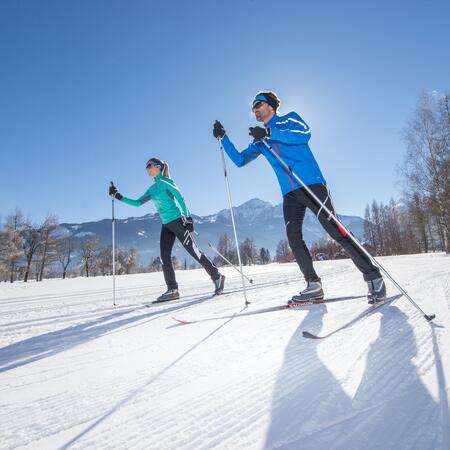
{"x": 362, "y": 315}
{"x": 183, "y": 299}
{"x": 249, "y": 313}
{"x": 204, "y": 296}
{"x": 270, "y": 309}
{"x": 294, "y": 304}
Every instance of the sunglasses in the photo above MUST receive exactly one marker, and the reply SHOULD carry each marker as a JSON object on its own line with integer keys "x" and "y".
{"x": 257, "y": 105}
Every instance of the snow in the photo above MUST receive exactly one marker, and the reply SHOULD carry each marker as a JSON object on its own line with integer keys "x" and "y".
{"x": 76, "y": 372}
{"x": 85, "y": 233}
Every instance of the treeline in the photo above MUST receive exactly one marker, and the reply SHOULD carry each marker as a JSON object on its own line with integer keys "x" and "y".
{"x": 420, "y": 221}
{"x": 37, "y": 251}
{"x": 250, "y": 253}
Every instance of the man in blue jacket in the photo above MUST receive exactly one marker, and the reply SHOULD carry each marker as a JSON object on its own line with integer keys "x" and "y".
{"x": 289, "y": 136}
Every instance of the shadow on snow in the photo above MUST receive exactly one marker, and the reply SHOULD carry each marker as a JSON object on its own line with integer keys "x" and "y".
{"x": 391, "y": 408}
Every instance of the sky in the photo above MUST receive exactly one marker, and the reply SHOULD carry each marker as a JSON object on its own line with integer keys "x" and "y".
{"x": 91, "y": 89}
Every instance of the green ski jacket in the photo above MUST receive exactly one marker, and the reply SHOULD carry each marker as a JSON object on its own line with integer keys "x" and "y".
{"x": 163, "y": 192}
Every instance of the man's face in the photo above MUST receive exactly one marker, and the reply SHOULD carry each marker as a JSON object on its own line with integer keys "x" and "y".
{"x": 263, "y": 112}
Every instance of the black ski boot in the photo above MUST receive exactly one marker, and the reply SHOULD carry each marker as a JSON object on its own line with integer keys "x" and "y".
{"x": 219, "y": 284}
{"x": 377, "y": 291}
{"x": 312, "y": 292}
{"x": 170, "y": 294}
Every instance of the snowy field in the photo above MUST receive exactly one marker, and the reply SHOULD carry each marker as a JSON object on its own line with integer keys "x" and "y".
{"x": 76, "y": 372}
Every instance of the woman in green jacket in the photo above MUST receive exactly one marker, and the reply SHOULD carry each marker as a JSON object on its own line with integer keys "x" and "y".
{"x": 176, "y": 223}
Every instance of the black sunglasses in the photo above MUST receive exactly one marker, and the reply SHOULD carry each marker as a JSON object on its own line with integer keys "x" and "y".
{"x": 257, "y": 105}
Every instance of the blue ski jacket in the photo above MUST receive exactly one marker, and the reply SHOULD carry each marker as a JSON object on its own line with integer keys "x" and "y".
{"x": 289, "y": 136}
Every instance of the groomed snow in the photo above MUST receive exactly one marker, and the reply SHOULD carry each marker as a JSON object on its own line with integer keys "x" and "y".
{"x": 76, "y": 372}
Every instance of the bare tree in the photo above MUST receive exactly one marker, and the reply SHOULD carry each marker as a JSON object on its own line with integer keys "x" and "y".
{"x": 48, "y": 247}
{"x": 12, "y": 243}
{"x": 369, "y": 228}
{"x": 264, "y": 255}
{"x": 88, "y": 251}
{"x": 104, "y": 260}
{"x": 426, "y": 168}
{"x": 326, "y": 248}
{"x": 283, "y": 253}
{"x": 127, "y": 260}
{"x": 227, "y": 248}
{"x": 64, "y": 250}
{"x": 176, "y": 263}
{"x": 249, "y": 251}
{"x": 32, "y": 239}
{"x": 155, "y": 264}
{"x": 418, "y": 213}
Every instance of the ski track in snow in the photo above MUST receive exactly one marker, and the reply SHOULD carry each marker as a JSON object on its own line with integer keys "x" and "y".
{"x": 76, "y": 372}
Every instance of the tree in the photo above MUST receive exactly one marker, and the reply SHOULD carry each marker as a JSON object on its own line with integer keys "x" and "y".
{"x": 226, "y": 247}
{"x": 128, "y": 260}
{"x": 11, "y": 243}
{"x": 32, "y": 239}
{"x": 369, "y": 231}
{"x": 326, "y": 248}
{"x": 248, "y": 251}
{"x": 283, "y": 253}
{"x": 104, "y": 260}
{"x": 175, "y": 263}
{"x": 64, "y": 249}
{"x": 155, "y": 264}
{"x": 48, "y": 247}
{"x": 264, "y": 256}
{"x": 426, "y": 168}
{"x": 88, "y": 250}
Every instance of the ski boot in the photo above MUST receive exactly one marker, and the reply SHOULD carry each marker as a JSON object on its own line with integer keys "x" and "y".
{"x": 377, "y": 291}
{"x": 219, "y": 284}
{"x": 313, "y": 293}
{"x": 170, "y": 294}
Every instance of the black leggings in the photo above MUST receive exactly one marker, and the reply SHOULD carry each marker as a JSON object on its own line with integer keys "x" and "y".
{"x": 294, "y": 209}
{"x": 169, "y": 232}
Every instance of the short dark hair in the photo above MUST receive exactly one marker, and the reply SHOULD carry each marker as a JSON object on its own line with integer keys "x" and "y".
{"x": 270, "y": 97}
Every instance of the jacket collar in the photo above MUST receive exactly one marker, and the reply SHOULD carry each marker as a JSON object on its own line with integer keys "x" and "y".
{"x": 272, "y": 121}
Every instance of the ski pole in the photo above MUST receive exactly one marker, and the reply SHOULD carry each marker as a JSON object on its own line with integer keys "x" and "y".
{"x": 113, "y": 251}
{"x": 340, "y": 224}
{"x": 232, "y": 221}
{"x": 229, "y": 262}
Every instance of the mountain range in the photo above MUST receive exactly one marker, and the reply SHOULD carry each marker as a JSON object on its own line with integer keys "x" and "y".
{"x": 255, "y": 219}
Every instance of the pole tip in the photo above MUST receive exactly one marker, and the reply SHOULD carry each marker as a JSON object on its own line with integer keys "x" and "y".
{"x": 430, "y": 317}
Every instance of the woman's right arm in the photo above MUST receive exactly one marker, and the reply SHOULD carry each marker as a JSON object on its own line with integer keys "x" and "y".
{"x": 144, "y": 198}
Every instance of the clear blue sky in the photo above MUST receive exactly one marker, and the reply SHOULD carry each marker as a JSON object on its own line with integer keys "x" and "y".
{"x": 91, "y": 89}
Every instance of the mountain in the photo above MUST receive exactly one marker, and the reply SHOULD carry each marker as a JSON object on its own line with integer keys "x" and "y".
{"x": 255, "y": 218}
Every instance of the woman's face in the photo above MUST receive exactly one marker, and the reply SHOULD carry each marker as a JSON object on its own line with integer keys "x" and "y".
{"x": 153, "y": 171}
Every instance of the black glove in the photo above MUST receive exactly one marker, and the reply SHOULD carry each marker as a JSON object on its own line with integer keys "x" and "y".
{"x": 259, "y": 133}
{"x": 113, "y": 192}
{"x": 188, "y": 223}
{"x": 218, "y": 130}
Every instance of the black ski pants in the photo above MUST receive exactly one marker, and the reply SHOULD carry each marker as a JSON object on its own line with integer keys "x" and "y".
{"x": 169, "y": 232}
{"x": 294, "y": 209}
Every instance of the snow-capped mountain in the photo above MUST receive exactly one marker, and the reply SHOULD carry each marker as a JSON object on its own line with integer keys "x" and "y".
{"x": 255, "y": 218}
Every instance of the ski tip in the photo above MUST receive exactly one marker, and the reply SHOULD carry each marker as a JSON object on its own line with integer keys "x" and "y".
{"x": 182, "y": 322}
{"x": 307, "y": 334}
